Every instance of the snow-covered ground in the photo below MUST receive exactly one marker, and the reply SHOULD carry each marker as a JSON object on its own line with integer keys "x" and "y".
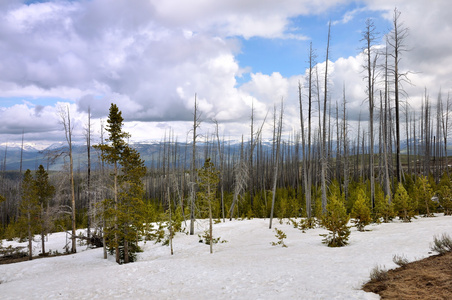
{"x": 246, "y": 267}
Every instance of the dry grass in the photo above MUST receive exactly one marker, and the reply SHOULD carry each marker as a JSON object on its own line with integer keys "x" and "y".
{"x": 430, "y": 278}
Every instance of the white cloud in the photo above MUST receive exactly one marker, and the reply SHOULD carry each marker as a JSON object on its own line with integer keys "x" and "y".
{"x": 151, "y": 57}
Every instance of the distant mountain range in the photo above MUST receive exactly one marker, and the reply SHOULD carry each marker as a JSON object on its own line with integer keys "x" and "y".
{"x": 55, "y": 156}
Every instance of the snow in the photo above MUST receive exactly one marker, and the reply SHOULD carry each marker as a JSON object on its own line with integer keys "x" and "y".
{"x": 247, "y": 266}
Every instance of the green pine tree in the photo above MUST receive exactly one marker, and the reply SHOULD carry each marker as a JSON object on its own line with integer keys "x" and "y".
{"x": 445, "y": 194}
{"x": 30, "y": 210}
{"x": 208, "y": 180}
{"x": 361, "y": 210}
{"x": 424, "y": 194}
{"x": 44, "y": 192}
{"x": 125, "y": 214}
{"x": 111, "y": 152}
{"x": 384, "y": 209}
{"x": 335, "y": 220}
{"x": 404, "y": 207}
{"x": 131, "y": 208}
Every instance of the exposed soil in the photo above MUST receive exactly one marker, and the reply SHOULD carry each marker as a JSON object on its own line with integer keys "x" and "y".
{"x": 11, "y": 260}
{"x": 15, "y": 259}
{"x": 430, "y": 278}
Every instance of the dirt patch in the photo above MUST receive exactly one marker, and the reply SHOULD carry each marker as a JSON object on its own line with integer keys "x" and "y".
{"x": 11, "y": 260}
{"x": 430, "y": 278}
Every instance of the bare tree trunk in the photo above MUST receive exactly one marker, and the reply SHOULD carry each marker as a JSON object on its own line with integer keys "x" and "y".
{"x": 324, "y": 162}
{"x": 387, "y": 186}
{"x": 116, "y": 209}
{"x": 88, "y": 149}
{"x": 170, "y": 222}
{"x": 220, "y": 154}
{"x": 102, "y": 170}
{"x": 305, "y": 162}
{"x": 345, "y": 145}
{"x": 21, "y": 153}
{"x": 196, "y": 124}
{"x": 250, "y": 162}
{"x": 241, "y": 178}
{"x": 30, "y": 236}
{"x": 275, "y": 178}
{"x": 445, "y": 127}
{"x": 369, "y": 38}
{"x": 397, "y": 39}
{"x": 66, "y": 121}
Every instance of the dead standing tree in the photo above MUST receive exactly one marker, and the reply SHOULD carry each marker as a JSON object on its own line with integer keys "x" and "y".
{"x": 397, "y": 39}
{"x": 66, "y": 122}
{"x": 369, "y": 38}
{"x": 275, "y": 174}
{"x": 196, "y": 124}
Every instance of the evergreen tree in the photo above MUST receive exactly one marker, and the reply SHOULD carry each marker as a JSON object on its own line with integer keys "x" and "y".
{"x": 403, "y": 204}
{"x": 445, "y": 194}
{"x": 126, "y": 213}
{"x": 424, "y": 194}
{"x": 111, "y": 153}
{"x": 44, "y": 192}
{"x": 29, "y": 209}
{"x": 131, "y": 208}
{"x": 361, "y": 211}
{"x": 384, "y": 209}
{"x": 207, "y": 181}
{"x": 335, "y": 220}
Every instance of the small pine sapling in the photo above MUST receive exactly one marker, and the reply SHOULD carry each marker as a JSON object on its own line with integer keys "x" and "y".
{"x": 360, "y": 210}
{"x": 156, "y": 234}
{"x": 304, "y": 224}
{"x": 336, "y": 220}
{"x": 205, "y": 238}
{"x": 280, "y": 235}
{"x": 384, "y": 209}
{"x": 424, "y": 196}
{"x": 403, "y": 205}
{"x": 208, "y": 178}
{"x": 445, "y": 199}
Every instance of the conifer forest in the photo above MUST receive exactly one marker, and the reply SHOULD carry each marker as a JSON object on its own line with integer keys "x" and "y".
{"x": 395, "y": 165}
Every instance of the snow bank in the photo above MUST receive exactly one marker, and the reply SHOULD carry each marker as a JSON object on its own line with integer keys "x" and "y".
{"x": 246, "y": 267}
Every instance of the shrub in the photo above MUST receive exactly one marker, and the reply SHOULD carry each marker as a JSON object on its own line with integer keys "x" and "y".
{"x": 378, "y": 274}
{"x": 400, "y": 260}
{"x": 442, "y": 245}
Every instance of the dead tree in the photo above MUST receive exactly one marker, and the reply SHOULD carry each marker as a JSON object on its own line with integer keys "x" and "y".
{"x": 369, "y": 37}
{"x": 196, "y": 124}
{"x": 396, "y": 40}
{"x": 275, "y": 174}
{"x": 66, "y": 122}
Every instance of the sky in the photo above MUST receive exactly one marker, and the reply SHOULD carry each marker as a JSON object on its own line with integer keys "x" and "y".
{"x": 152, "y": 57}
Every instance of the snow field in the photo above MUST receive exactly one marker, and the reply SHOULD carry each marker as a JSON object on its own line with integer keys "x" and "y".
{"x": 246, "y": 267}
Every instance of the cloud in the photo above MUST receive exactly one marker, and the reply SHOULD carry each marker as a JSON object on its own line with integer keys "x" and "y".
{"x": 152, "y": 57}
{"x": 28, "y": 118}
{"x": 429, "y": 52}
{"x": 347, "y": 17}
